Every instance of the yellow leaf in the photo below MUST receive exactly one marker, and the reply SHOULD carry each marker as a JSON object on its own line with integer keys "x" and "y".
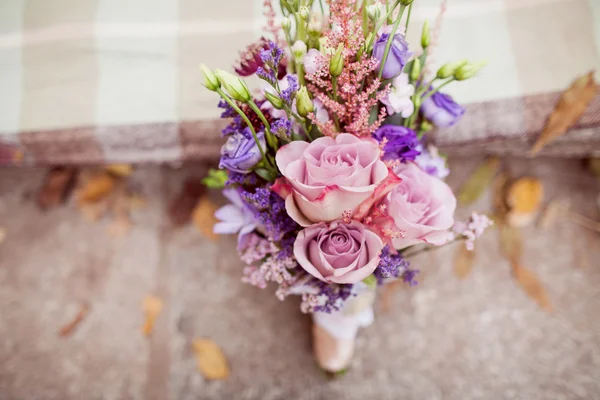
{"x": 524, "y": 198}
{"x": 204, "y": 217}
{"x": 152, "y": 307}
{"x": 568, "y": 110}
{"x": 120, "y": 170}
{"x": 96, "y": 188}
{"x": 478, "y": 182}
{"x": 531, "y": 284}
{"x": 463, "y": 262}
{"x": 211, "y": 360}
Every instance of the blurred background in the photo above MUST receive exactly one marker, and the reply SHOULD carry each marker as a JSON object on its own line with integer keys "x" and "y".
{"x": 108, "y": 269}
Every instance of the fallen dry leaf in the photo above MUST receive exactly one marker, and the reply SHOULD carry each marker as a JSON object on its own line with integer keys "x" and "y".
{"x": 463, "y": 262}
{"x": 511, "y": 243}
{"x": 499, "y": 200}
{"x": 56, "y": 187}
{"x": 594, "y": 166}
{"x": 69, "y": 328}
{"x": 182, "y": 206}
{"x": 152, "y": 307}
{"x": 531, "y": 284}
{"x": 211, "y": 361}
{"x": 552, "y": 212}
{"x": 571, "y": 105}
{"x": 204, "y": 217}
{"x": 479, "y": 181}
{"x": 524, "y": 198}
{"x": 2, "y": 234}
{"x": 120, "y": 170}
{"x": 92, "y": 212}
{"x": 96, "y": 188}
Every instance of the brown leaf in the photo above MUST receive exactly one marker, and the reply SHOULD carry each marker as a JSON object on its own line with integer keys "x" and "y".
{"x": 531, "y": 284}
{"x": 181, "y": 208}
{"x": 120, "y": 170}
{"x": 96, "y": 188}
{"x": 511, "y": 243}
{"x": 56, "y": 187}
{"x": 594, "y": 166}
{"x": 2, "y": 234}
{"x": 463, "y": 262}
{"x": 524, "y": 198}
{"x": 568, "y": 110}
{"x": 211, "y": 361}
{"x": 478, "y": 182}
{"x": 204, "y": 217}
{"x": 152, "y": 307}
{"x": 69, "y": 328}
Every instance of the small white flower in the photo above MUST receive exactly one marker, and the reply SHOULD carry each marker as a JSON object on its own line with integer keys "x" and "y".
{"x": 399, "y": 101}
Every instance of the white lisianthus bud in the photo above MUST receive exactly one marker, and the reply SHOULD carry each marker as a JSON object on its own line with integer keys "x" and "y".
{"x": 274, "y": 100}
{"x": 303, "y": 102}
{"x": 304, "y": 13}
{"x": 210, "y": 80}
{"x": 374, "y": 12}
{"x": 337, "y": 62}
{"x": 315, "y": 25}
{"x": 286, "y": 24}
{"x": 235, "y": 86}
{"x": 299, "y": 50}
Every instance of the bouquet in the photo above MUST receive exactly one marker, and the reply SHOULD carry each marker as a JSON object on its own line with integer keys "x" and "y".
{"x": 332, "y": 184}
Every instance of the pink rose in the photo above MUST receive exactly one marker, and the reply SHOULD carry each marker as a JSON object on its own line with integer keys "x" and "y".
{"x": 328, "y": 176}
{"x": 338, "y": 252}
{"x": 422, "y": 206}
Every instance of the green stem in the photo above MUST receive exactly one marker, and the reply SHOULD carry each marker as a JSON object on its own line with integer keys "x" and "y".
{"x": 390, "y": 40}
{"x": 300, "y": 28}
{"x": 408, "y": 18}
{"x": 300, "y": 73}
{"x": 381, "y": 22}
{"x": 270, "y": 138}
{"x": 428, "y": 95}
{"x": 248, "y": 123}
{"x": 334, "y": 84}
{"x": 365, "y": 19}
{"x": 429, "y": 248}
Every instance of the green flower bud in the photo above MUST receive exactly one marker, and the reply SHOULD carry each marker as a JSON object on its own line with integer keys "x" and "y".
{"x": 236, "y": 87}
{"x": 315, "y": 25}
{"x": 426, "y": 126}
{"x": 304, "y": 13}
{"x": 406, "y": 2}
{"x": 468, "y": 70}
{"x": 210, "y": 80}
{"x": 337, "y": 62}
{"x": 274, "y": 100}
{"x": 374, "y": 12}
{"x": 303, "y": 102}
{"x": 447, "y": 70}
{"x": 416, "y": 69}
{"x": 299, "y": 50}
{"x": 286, "y": 24}
{"x": 425, "y": 35}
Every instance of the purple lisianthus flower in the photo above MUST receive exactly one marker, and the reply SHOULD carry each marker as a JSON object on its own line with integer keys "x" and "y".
{"x": 441, "y": 110}
{"x": 432, "y": 162}
{"x": 402, "y": 143}
{"x": 240, "y": 153}
{"x": 235, "y": 217}
{"x": 397, "y": 57}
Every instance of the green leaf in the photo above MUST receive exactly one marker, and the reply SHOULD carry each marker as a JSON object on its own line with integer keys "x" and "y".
{"x": 266, "y": 174}
{"x": 216, "y": 179}
{"x": 370, "y": 281}
{"x": 477, "y": 183}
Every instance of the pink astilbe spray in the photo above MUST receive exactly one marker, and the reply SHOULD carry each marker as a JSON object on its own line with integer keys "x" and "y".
{"x": 358, "y": 91}
{"x": 435, "y": 39}
{"x": 272, "y": 26}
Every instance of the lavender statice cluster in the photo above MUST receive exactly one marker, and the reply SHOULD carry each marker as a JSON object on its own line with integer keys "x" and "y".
{"x": 394, "y": 266}
{"x": 271, "y": 58}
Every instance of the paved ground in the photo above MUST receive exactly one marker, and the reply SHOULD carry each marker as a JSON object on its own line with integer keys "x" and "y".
{"x": 479, "y": 338}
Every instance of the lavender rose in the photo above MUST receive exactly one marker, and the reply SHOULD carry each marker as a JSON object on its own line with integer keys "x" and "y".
{"x": 441, "y": 110}
{"x": 338, "y": 252}
{"x": 327, "y": 177}
{"x": 401, "y": 142}
{"x": 397, "y": 57}
{"x": 240, "y": 153}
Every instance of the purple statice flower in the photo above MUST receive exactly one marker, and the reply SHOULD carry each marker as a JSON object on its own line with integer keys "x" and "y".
{"x": 397, "y": 57}
{"x": 282, "y": 128}
{"x": 235, "y": 217}
{"x": 236, "y": 123}
{"x": 271, "y": 55}
{"x": 288, "y": 94}
{"x": 241, "y": 153}
{"x": 252, "y": 58}
{"x": 236, "y": 178}
{"x": 228, "y": 111}
{"x": 269, "y": 211}
{"x": 441, "y": 110}
{"x": 401, "y": 143}
{"x": 393, "y": 266}
{"x": 332, "y": 297}
{"x": 267, "y": 75}
{"x": 432, "y": 162}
